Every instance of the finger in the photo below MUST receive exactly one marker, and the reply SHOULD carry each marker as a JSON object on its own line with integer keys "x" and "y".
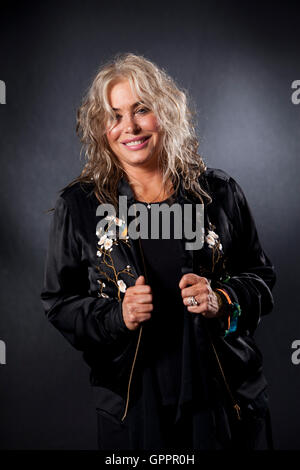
{"x": 139, "y": 316}
{"x": 196, "y": 309}
{"x": 201, "y": 298}
{"x": 132, "y": 308}
{"x": 136, "y": 324}
{"x": 196, "y": 289}
{"x": 191, "y": 278}
{"x": 203, "y": 309}
{"x": 143, "y": 298}
{"x": 144, "y": 317}
{"x": 188, "y": 279}
{"x": 142, "y": 308}
{"x": 139, "y": 289}
{"x": 140, "y": 281}
{"x": 186, "y": 300}
{"x": 189, "y": 291}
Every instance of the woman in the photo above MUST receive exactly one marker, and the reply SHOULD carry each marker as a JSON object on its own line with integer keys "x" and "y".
{"x": 166, "y": 329}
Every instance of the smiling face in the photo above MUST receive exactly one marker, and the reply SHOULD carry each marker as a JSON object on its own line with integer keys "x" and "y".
{"x": 134, "y": 136}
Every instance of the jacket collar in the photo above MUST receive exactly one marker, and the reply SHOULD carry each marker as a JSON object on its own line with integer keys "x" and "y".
{"x": 124, "y": 189}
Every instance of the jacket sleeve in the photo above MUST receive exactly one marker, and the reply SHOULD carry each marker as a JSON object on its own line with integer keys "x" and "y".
{"x": 82, "y": 319}
{"x": 252, "y": 276}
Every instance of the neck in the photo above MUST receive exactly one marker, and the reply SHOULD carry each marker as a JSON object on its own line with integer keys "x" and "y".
{"x": 147, "y": 185}
{"x": 143, "y": 175}
{"x": 145, "y": 180}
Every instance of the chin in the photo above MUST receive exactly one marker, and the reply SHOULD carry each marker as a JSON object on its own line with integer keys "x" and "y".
{"x": 143, "y": 159}
{"x": 138, "y": 158}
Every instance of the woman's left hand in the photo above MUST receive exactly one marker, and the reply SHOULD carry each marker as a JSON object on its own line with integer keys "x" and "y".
{"x": 200, "y": 289}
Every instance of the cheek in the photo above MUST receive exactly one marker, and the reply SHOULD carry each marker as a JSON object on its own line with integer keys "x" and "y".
{"x": 113, "y": 135}
{"x": 150, "y": 123}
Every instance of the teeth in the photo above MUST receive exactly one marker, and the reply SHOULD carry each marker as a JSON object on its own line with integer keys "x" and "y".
{"x": 136, "y": 142}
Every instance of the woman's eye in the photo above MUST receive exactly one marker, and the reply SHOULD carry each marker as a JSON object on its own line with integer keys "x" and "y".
{"x": 142, "y": 110}
{"x": 118, "y": 117}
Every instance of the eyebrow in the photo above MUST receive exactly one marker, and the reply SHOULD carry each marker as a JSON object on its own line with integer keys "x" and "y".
{"x": 133, "y": 106}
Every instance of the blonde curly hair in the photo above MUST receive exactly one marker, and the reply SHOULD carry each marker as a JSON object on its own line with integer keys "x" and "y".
{"x": 159, "y": 93}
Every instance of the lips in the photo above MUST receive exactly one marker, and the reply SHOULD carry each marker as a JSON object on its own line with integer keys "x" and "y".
{"x": 136, "y": 141}
{"x": 137, "y": 144}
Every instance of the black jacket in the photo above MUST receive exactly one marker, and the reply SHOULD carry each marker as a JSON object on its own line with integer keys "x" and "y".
{"x": 89, "y": 313}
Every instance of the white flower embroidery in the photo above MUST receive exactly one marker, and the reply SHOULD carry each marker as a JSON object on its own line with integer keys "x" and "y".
{"x": 105, "y": 296}
{"x": 102, "y": 239}
{"x": 211, "y": 238}
{"x": 122, "y": 286}
{"x": 107, "y": 239}
{"x": 210, "y": 241}
{"x": 118, "y": 222}
{"x": 108, "y": 243}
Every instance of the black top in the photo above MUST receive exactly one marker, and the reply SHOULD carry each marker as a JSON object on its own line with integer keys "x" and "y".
{"x": 163, "y": 268}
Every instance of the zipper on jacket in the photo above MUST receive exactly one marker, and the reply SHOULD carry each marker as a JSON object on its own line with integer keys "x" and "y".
{"x": 234, "y": 402}
{"x": 139, "y": 337}
{"x": 131, "y": 373}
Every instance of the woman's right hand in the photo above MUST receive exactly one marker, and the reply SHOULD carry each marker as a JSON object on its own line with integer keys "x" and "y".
{"x": 137, "y": 304}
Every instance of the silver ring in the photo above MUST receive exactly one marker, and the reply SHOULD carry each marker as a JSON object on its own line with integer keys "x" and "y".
{"x": 192, "y": 301}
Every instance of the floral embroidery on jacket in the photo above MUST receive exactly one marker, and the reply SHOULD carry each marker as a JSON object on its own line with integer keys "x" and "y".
{"x": 213, "y": 241}
{"x": 107, "y": 240}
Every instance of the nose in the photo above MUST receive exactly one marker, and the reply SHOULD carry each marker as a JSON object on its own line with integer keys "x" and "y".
{"x": 130, "y": 124}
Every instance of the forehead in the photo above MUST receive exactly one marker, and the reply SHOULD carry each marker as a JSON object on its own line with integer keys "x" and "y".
{"x": 121, "y": 95}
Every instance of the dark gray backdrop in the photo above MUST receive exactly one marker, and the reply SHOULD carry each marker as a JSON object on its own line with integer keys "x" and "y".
{"x": 238, "y": 61}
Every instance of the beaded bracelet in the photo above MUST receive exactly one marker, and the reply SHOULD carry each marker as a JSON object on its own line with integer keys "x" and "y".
{"x": 233, "y": 310}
